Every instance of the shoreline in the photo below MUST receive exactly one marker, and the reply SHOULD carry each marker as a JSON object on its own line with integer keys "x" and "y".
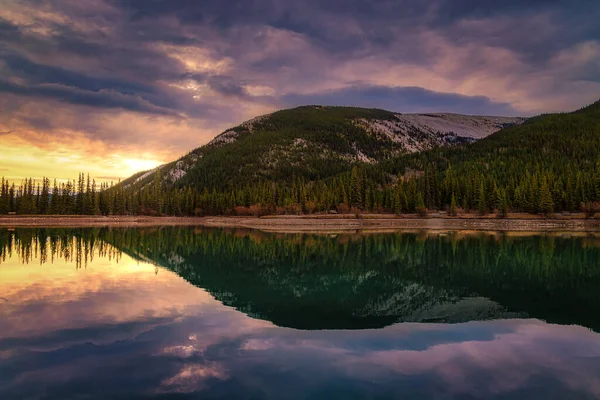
{"x": 314, "y": 223}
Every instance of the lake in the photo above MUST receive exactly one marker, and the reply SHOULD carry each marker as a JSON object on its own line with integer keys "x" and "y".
{"x": 193, "y": 313}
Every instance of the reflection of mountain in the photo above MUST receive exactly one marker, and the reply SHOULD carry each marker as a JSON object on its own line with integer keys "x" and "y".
{"x": 343, "y": 282}
{"x": 325, "y": 296}
{"x": 352, "y": 282}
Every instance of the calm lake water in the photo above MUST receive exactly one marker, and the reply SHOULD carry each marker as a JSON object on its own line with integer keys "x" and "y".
{"x": 191, "y": 313}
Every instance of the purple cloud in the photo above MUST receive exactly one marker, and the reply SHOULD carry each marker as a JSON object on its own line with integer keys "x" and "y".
{"x": 214, "y": 64}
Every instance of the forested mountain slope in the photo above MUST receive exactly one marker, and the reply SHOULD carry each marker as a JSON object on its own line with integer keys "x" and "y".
{"x": 315, "y": 142}
{"x": 551, "y": 162}
{"x": 314, "y": 159}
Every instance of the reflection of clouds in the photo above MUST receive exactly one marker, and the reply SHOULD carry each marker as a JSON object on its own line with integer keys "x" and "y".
{"x": 519, "y": 355}
{"x": 48, "y": 298}
{"x": 192, "y": 376}
{"x": 64, "y": 325}
{"x": 182, "y": 351}
{"x": 508, "y": 362}
{"x": 122, "y": 327}
{"x": 257, "y": 344}
{"x": 6, "y": 354}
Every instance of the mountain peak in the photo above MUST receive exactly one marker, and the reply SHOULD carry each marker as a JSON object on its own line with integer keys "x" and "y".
{"x": 317, "y": 141}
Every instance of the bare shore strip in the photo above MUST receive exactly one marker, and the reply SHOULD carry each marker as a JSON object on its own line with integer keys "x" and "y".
{"x": 319, "y": 223}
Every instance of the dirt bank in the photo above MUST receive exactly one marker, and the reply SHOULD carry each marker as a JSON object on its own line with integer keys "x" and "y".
{"x": 322, "y": 223}
{"x": 16, "y": 221}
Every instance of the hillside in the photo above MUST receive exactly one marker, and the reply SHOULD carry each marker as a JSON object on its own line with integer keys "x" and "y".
{"x": 315, "y": 142}
{"x": 549, "y": 163}
{"x": 316, "y": 159}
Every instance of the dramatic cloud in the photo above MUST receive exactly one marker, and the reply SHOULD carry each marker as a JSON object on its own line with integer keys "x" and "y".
{"x": 152, "y": 80}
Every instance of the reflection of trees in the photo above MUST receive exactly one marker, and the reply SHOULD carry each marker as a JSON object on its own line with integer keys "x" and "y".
{"x": 375, "y": 279}
{"x": 352, "y": 281}
{"x": 44, "y": 245}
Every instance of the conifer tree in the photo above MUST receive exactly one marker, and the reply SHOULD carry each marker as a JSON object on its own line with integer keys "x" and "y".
{"x": 397, "y": 202}
{"x": 356, "y": 193}
{"x": 502, "y": 204}
{"x": 88, "y": 201}
{"x": 420, "y": 205}
{"x": 453, "y": 206}
{"x": 481, "y": 203}
{"x": 95, "y": 199}
{"x": 79, "y": 195}
{"x": 4, "y": 201}
{"x": 44, "y": 197}
{"x": 12, "y": 202}
{"x": 546, "y": 204}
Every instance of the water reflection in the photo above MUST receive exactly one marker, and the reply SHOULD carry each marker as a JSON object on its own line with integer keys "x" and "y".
{"x": 354, "y": 281}
{"x": 109, "y": 313}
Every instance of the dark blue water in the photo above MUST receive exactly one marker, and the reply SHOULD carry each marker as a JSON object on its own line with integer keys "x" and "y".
{"x": 189, "y": 313}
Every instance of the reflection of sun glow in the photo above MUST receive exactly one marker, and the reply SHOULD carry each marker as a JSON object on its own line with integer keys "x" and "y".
{"x": 109, "y": 288}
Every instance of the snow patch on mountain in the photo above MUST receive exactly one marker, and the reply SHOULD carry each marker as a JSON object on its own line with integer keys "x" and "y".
{"x": 182, "y": 167}
{"x": 147, "y": 174}
{"x": 251, "y": 123}
{"x": 141, "y": 177}
{"x": 360, "y": 156}
{"x": 298, "y": 142}
{"x": 418, "y": 132}
{"x": 476, "y": 127}
{"x": 231, "y": 135}
{"x": 178, "y": 172}
{"x": 226, "y": 137}
{"x": 175, "y": 260}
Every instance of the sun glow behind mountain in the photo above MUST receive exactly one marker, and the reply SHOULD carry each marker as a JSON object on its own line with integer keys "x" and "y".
{"x": 19, "y": 159}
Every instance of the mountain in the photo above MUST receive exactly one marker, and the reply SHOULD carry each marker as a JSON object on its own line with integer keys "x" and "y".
{"x": 549, "y": 163}
{"x": 316, "y": 142}
{"x": 318, "y": 159}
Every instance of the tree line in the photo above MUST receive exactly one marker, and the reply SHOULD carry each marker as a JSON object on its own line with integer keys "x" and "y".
{"x": 537, "y": 191}
{"x": 82, "y": 196}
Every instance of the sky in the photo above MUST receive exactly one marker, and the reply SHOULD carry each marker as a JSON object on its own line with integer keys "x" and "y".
{"x": 112, "y": 87}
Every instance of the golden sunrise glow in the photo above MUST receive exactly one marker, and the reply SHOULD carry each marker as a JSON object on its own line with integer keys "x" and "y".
{"x": 18, "y": 159}
{"x": 61, "y": 287}
{"x": 141, "y": 165}
{"x": 122, "y": 144}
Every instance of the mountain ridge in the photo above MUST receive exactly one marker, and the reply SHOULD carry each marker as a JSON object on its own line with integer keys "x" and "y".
{"x": 371, "y": 135}
{"x": 309, "y": 159}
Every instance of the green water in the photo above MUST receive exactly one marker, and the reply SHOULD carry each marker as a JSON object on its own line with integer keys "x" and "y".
{"x": 197, "y": 313}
